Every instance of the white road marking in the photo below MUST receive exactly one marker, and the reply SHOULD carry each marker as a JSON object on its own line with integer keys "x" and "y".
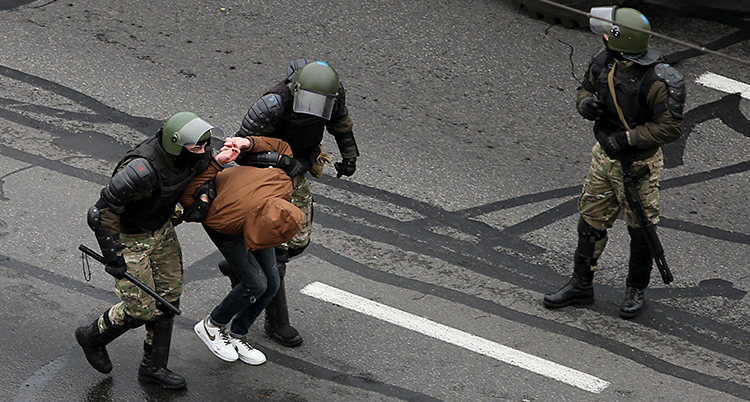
{"x": 456, "y": 337}
{"x": 724, "y": 84}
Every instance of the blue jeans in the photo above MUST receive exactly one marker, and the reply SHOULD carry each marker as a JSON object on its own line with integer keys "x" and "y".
{"x": 259, "y": 281}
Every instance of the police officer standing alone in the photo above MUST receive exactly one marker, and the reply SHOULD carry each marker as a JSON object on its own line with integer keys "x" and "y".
{"x": 132, "y": 222}
{"x": 308, "y": 101}
{"x": 637, "y": 105}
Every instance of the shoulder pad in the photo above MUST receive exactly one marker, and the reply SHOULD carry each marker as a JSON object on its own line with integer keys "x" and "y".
{"x": 675, "y": 85}
{"x": 265, "y": 112}
{"x": 137, "y": 177}
{"x": 601, "y": 59}
{"x": 295, "y": 65}
{"x": 598, "y": 62}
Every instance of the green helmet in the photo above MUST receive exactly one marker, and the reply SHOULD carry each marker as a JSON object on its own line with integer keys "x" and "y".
{"x": 186, "y": 128}
{"x": 626, "y": 40}
{"x": 620, "y": 24}
{"x": 315, "y": 87}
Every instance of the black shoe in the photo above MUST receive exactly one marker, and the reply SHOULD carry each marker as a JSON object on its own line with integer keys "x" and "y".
{"x": 633, "y": 304}
{"x": 576, "y": 291}
{"x": 284, "y": 334}
{"x": 163, "y": 377}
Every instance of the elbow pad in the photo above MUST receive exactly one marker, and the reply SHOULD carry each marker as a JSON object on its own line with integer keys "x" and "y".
{"x": 109, "y": 242}
{"x": 135, "y": 178}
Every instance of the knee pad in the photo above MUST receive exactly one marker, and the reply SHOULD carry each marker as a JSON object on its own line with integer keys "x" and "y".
{"x": 588, "y": 234}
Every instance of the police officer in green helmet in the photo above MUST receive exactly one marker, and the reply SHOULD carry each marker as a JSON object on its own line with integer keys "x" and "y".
{"x": 299, "y": 109}
{"x": 636, "y": 103}
{"x": 133, "y": 224}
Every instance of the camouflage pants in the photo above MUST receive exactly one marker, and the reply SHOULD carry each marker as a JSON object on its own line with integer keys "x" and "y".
{"x": 302, "y": 198}
{"x": 156, "y": 260}
{"x": 603, "y": 195}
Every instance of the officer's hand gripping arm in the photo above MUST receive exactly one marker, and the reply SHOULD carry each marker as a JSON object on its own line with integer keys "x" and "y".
{"x": 204, "y": 196}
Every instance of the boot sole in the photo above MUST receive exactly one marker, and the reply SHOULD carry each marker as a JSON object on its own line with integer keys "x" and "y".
{"x": 149, "y": 380}
{"x": 580, "y": 302}
{"x": 290, "y": 343}
{"x": 630, "y": 315}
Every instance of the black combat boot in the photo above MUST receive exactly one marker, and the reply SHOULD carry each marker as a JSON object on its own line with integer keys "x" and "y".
{"x": 153, "y": 368}
{"x": 639, "y": 274}
{"x": 578, "y": 290}
{"x": 93, "y": 342}
{"x": 580, "y": 287}
{"x": 632, "y": 305}
{"x": 276, "y": 323}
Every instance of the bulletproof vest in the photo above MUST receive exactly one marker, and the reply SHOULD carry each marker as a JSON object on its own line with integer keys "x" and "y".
{"x": 303, "y": 132}
{"x": 631, "y": 90}
{"x": 149, "y": 214}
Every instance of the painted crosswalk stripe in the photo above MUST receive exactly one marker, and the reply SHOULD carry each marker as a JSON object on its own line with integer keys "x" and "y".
{"x": 724, "y": 84}
{"x": 456, "y": 337}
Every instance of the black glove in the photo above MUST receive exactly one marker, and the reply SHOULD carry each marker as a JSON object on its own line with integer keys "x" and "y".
{"x": 613, "y": 144}
{"x": 117, "y": 268}
{"x": 345, "y": 167}
{"x": 208, "y": 189}
{"x": 592, "y": 109}
{"x": 197, "y": 211}
{"x": 291, "y": 166}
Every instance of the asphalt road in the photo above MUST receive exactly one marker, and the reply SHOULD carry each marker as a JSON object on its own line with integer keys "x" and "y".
{"x": 425, "y": 277}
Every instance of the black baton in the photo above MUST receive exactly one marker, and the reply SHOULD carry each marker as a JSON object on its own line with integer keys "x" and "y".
{"x": 161, "y": 302}
{"x": 636, "y": 204}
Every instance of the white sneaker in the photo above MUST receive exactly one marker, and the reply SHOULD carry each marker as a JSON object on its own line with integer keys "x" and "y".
{"x": 217, "y": 340}
{"x": 247, "y": 352}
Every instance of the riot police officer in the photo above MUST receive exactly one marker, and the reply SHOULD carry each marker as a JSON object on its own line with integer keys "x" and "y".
{"x": 298, "y": 110}
{"x": 637, "y": 104}
{"x": 132, "y": 222}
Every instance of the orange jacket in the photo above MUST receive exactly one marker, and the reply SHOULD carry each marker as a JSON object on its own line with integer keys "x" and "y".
{"x": 250, "y": 201}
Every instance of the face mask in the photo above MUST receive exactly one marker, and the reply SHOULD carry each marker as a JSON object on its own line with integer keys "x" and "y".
{"x": 188, "y": 159}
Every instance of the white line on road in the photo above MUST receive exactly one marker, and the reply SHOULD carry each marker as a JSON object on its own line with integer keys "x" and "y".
{"x": 456, "y": 337}
{"x": 724, "y": 84}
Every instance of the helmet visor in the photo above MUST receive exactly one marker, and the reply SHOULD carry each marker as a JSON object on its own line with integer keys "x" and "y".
{"x": 596, "y": 17}
{"x": 197, "y": 131}
{"x": 314, "y": 103}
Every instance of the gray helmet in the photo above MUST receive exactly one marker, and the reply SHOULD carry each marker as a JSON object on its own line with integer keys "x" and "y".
{"x": 186, "y": 128}
{"x": 315, "y": 87}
